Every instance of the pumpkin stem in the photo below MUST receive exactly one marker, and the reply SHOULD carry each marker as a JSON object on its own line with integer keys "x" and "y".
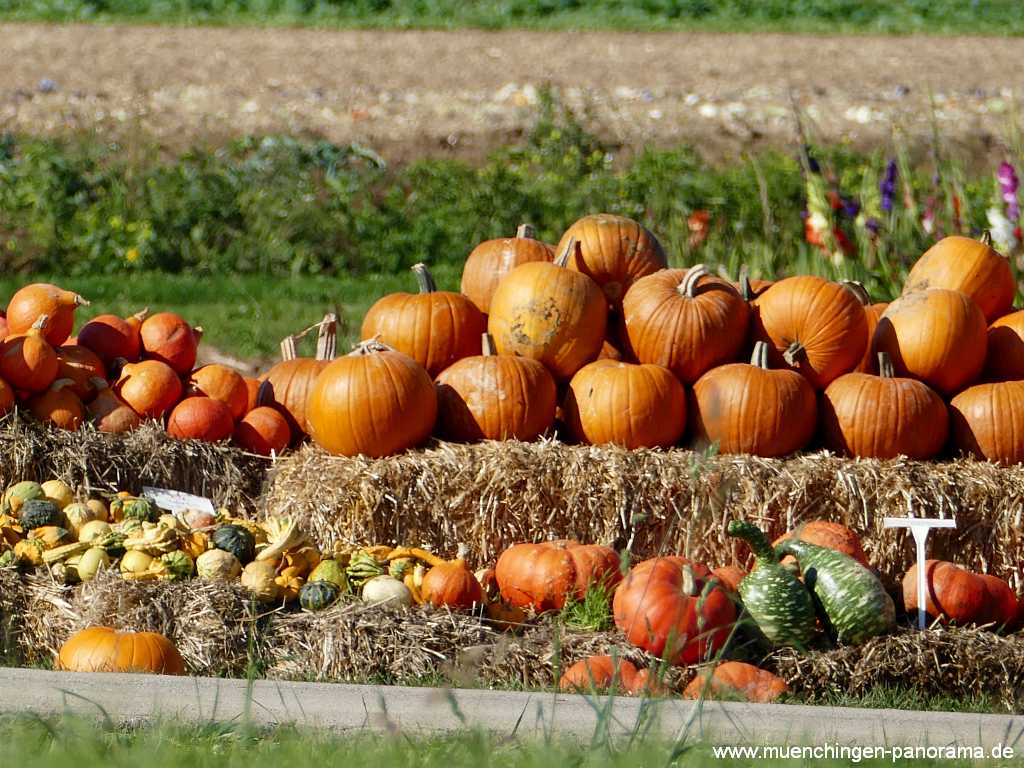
{"x": 41, "y": 322}
{"x": 857, "y": 289}
{"x": 572, "y": 248}
{"x": 526, "y": 230}
{"x": 462, "y": 552}
{"x": 688, "y": 583}
{"x": 327, "y": 338}
{"x": 99, "y": 383}
{"x": 794, "y": 353}
{"x": 60, "y": 384}
{"x": 487, "y": 345}
{"x": 986, "y": 238}
{"x": 72, "y": 299}
{"x": 885, "y": 367}
{"x": 760, "y": 356}
{"x": 141, "y": 315}
{"x": 690, "y": 279}
{"x": 288, "y": 351}
{"x": 369, "y": 347}
{"x": 755, "y": 539}
{"x": 746, "y": 291}
{"x": 424, "y": 278}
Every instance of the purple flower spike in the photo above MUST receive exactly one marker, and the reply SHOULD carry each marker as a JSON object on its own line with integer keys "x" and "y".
{"x": 873, "y": 225}
{"x": 888, "y": 186}
{"x": 1008, "y": 186}
{"x": 851, "y": 207}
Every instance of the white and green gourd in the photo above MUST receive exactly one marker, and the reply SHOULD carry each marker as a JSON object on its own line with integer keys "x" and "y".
{"x": 852, "y": 598}
{"x": 780, "y": 605}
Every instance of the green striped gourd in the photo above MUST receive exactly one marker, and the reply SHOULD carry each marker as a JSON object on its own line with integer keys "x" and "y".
{"x": 853, "y": 599}
{"x": 776, "y": 600}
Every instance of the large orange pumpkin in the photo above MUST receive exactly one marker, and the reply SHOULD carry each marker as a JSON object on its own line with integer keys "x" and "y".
{"x": 936, "y": 335}
{"x": 872, "y": 312}
{"x": 687, "y": 321}
{"x": 736, "y": 680}
{"x": 987, "y": 421}
{"x": 961, "y": 264}
{"x": 375, "y": 402}
{"x": 201, "y": 418}
{"x": 32, "y": 301}
{"x": 82, "y": 367}
{"x": 614, "y": 251}
{"x": 286, "y": 386}
{"x": 883, "y": 416}
{"x": 495, "y": 397}
{"x": 435, "y": 328}
{"x": 952, "y": 593}
{"x": 102, "y": 649}
{"x": 263, "y": 430}
{"x": 151, "y": 388}
{"x": 112, "y": 337}
{"x": 674, "y": 609}
{"x": 1004, "y": 354}
{"x": 634, "y": 406}
{"x": 549, "y": 313}
{"x": 600, "y": 673}
{"x": 814, "y": 326}
{"x": 27, "y": 361}
{"x": 753, "y": 409}
{"x": 490, "y": 261}
{"x": 826, "y": 533}
{"x": 109, "y": 412}
{"x": 59, "y": 405}
{"x": 546, "y": 574}
{"x": 221, "y": 383}
{"x": 168, "y": 338}
{"x": 452, "y": 584}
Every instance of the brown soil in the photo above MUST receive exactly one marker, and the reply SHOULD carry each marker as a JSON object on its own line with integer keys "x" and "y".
{"x": 413, "y": 93}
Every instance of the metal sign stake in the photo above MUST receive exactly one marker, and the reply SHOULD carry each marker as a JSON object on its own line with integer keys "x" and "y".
{"x": 920, "y": 527}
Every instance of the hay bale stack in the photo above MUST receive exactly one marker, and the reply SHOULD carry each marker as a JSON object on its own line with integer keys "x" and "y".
{"x": 148, "y": 456}
{"x": 493, "y": 494}
{"x": 943, "y": 662}
{"x": 12, "y": 612}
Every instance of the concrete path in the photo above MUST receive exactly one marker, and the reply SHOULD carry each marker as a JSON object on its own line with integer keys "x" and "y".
{"x": 346, "y": 707}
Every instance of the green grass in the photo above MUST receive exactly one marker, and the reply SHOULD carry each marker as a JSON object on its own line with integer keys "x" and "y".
{"x": 996, "y": 17}
{"x": 71, "y": 743}
{"x": 902, "y": 697}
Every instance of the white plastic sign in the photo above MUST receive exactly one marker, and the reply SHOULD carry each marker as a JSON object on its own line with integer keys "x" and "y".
{"x": 920, "y": 527}
{"x": 177, "y": 501}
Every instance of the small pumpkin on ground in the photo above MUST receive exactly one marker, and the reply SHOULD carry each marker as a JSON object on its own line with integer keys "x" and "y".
{"x": 544, "y": 575}
{"x": 102, "y": 649}
{"x": 600, "y": 673}
{"x": 489, "y": 262}
{"x": 452, "y": 584}
{"x": 736, "y": 680}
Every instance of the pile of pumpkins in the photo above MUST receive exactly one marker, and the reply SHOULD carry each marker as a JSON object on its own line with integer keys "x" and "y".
{"x": 598, "y": 338}
{"x": 119, "y": 371}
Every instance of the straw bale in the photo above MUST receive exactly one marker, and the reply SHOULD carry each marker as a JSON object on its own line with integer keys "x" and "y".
{"x": 491, "y": 495}
{"x": 148, "y": 456}
{"x": 954, "y": 662}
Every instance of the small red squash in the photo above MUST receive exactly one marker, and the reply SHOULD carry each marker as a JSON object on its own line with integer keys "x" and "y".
{"x": 168, "y": 338}
{"x": 151, "y": 388}
{"x": 952, "y": 594}
{"x": 221, "y": 383}
{"x": 28, "y": 362}
{"x": 112, "y": 337}
{"x": 452, "y": 584}
{"x": 490, "y": 261}
{"x": 264, "y": 431}
{"x": 674, "y": 609}
{"x": 201, "y": 418}
{"x": 102, "y": 649}
{"x": 546, "y": 574}
{"x": 736, "y": 680}
{"x": 59, "y": 405}
{"x": 600, "y": 673}
{"x": 29, "y": 303}
{"x": 109, "y": 412}
{"x": 1000, "y": 605}
{"x": 826, "y": 533}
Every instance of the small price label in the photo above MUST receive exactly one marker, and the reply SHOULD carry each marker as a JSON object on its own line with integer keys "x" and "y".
{"x": 177, "y": 501}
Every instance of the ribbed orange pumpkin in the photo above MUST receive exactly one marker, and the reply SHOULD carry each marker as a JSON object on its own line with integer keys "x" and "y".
{"x": 971, "y": 266}
{"x": 687, "y": 321}
{"x": 826, "y": 533}
{"x": 1004, "y": 355}
{"x": 495, "y": 397}
{"x": 374, "y": 402}
{"x": 882, "y": 416}
{"x": 112, "y": 337}
{"x": 674, "y": 609}
{"x": 549, "y": 313}
{"x": 814, "y": 326}
{"x": 614, "y": 251}
{"x": 168, "y": 338}
{"x": 151, "y": 388}
{"x": 546, "y": 574}
{"x": 937, "y": 335}
{"x": 287, "y": 385}
{"x": 263, "y": 430}
{"x": 82, "y": 366}
{"x": 634, "y": 406}
{"x": 987, "y": 421}
{"x": 490, "y": 261}
{"x": 952, "y": 593}
{"x": 1000, "y": 604}
{"x": 736, "y": 680}
{"x": 752, "y": 408}
{"x": 435, "y": 328}
{"x": 452, "y": 584}
{"x": 102, "y": 649}
{"x": 221, "y": 383}
{"x": 59, "y": 405}
{"x": 109, "y": 412}
{"x": 27, "y": 361}
{"x": 201, "y": 418}
{"x": 28, "y": 303}
{"x": 599, "y": 673}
